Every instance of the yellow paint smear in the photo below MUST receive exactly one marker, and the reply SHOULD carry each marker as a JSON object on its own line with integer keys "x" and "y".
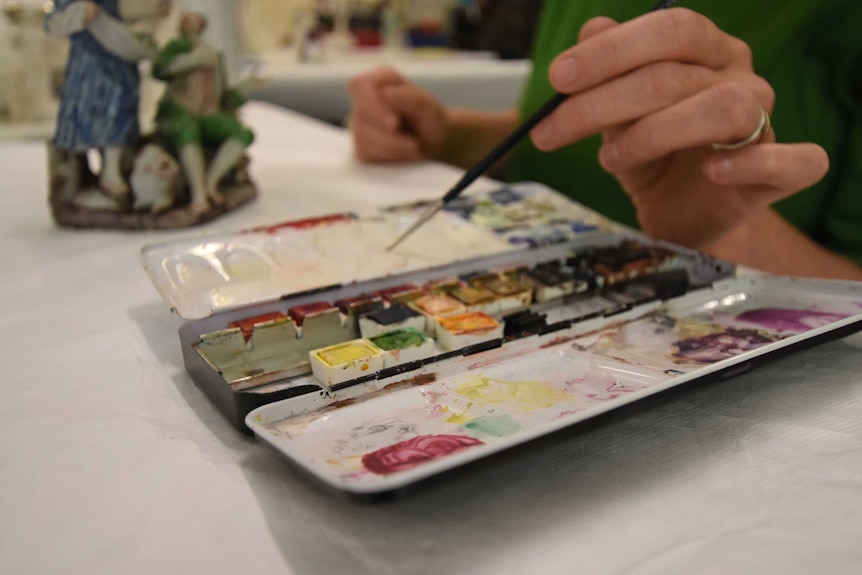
{"x": 526, "y": 395}
{"x": 459, "y": 418}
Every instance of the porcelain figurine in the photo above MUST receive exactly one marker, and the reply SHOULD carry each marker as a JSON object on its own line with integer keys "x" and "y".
{"x": 168, "y": 179}
{"x": 197, "y": 114}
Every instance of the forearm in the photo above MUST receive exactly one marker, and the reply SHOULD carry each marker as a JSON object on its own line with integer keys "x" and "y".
{"x": 119, "y": 40}
{"x": 177, "y": 57}
{"x": 66, "y": 21}
{"x": 184, "y": 63}
{"x": 768, "y": 243}
{"x": 474, "y": 133}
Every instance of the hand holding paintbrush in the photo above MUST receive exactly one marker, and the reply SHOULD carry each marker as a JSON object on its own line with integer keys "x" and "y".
{"x": 496, "y": 154}
{"x": 661, "y": 89}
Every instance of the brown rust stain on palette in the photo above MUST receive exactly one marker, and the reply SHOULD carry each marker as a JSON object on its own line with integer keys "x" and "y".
{"x": 417, "y": 380}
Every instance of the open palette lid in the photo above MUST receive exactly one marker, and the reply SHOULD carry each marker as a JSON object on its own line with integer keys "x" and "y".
{"x": 382, "y": 435}
{"x": 210, "y": 274}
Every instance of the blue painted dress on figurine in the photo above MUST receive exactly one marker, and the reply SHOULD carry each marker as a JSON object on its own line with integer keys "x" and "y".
{"x": 100, "y": 95}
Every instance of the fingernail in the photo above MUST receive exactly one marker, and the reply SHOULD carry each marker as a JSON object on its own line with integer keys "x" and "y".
{"x": 610, "y": 155}
{"x": 565, "y": 73}
{"x": 542, "y": 134}
{"x": 722, "y": 167}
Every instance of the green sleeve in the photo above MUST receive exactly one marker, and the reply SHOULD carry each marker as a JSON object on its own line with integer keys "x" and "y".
{"x": 808, "y": 51}
{"x": 842, "y": 217}
{"x": 840, "y": 221}
{"x": 167, "y": 55}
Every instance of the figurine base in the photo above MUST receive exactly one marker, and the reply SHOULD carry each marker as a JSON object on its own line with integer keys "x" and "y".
{"x": 77, "y": 201}
{"x": 73, "y": 216}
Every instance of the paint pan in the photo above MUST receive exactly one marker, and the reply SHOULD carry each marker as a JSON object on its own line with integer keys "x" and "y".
{"x": 404, "y": 346}
{"x": 476, "y": 299}
{"x": 550, "y": 282}
{"x": 300, "y": 313}
{"x": 511, "y": 294}
{"x": 436, "y": 305}
{"x": 345, "y": 361}
{"x": 352, "y": 308}
{"x": 443, "y": 285}
{"x": 246, "y": 325}
{"x": 627, "y": 261}
{"x": 390, "y": 319}
{"x": 463, "y": 330}
{"x": 400, "y": 294}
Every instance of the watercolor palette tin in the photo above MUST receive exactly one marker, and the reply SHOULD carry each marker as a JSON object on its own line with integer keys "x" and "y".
{"x": 283, "y": 322}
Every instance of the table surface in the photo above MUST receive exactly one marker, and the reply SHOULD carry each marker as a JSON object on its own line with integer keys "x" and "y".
{"x": 112, "y": 461}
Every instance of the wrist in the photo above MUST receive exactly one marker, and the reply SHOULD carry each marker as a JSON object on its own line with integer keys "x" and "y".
{"x": 471, "y": 134}
{"x": 735, "y": 244}
{"x": 767, "y": 242}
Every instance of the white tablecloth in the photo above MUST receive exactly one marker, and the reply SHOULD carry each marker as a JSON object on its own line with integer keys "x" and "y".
{"x": 112, "y": 461}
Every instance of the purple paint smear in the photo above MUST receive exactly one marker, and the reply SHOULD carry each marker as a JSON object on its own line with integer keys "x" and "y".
{"x": 789, "y": 320}
{"x": 718, "y": 346}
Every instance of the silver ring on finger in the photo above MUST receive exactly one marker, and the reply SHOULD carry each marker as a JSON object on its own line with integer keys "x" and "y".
{"x": 764, "y": 126}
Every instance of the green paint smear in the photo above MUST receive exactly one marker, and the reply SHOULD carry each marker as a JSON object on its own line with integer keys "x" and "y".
{"x": 401, "y": 339}
{"x": 494, "y": 425}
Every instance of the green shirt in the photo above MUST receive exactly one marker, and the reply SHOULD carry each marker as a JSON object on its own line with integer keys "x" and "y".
{"x": 811, "y": 53}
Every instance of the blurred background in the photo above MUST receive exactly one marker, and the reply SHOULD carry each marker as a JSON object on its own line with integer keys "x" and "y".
{"x": 300, "y": 53}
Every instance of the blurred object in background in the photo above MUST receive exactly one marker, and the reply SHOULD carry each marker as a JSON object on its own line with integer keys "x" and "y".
{"x": 31, "y": 65}
{"x": 466, "y": 18}
{"x": 269, "y": 26}
{"x": 325, "y": 30}
{"x": 505, "y": 27}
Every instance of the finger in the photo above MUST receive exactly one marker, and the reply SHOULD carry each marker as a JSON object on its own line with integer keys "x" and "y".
{"x": 782, "y": 168}
{"x": 621, "y": 100}
{"x": 365, "y": 95}
{"x": 373, "y": 144}
{"x": 595, "y": 26}
{"x": 726, "y": 112}
{"x": 667, "y": 35}
{"x": 409, "y": 100}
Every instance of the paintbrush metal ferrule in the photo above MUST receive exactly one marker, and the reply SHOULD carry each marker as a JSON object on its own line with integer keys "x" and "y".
{"x": 424, "y": 217}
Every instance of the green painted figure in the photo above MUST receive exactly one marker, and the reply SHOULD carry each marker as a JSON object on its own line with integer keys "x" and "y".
{"x": 197, "y": 115}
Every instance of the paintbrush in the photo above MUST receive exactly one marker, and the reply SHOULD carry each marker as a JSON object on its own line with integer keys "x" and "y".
{"x": 494, "y": 155}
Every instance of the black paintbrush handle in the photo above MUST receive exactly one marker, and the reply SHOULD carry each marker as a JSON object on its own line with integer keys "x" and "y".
{"x": 504, "y": 147}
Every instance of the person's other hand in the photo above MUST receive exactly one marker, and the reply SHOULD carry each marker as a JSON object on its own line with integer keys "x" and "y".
{"x": 393, "y": 120}
{"x": 661, "y": 89}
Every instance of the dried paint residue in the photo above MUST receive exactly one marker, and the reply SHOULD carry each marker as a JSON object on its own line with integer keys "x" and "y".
{"x": 421, "y": 379}
{"x": 415, "y": 451}
{"x": 526, "y": 395}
